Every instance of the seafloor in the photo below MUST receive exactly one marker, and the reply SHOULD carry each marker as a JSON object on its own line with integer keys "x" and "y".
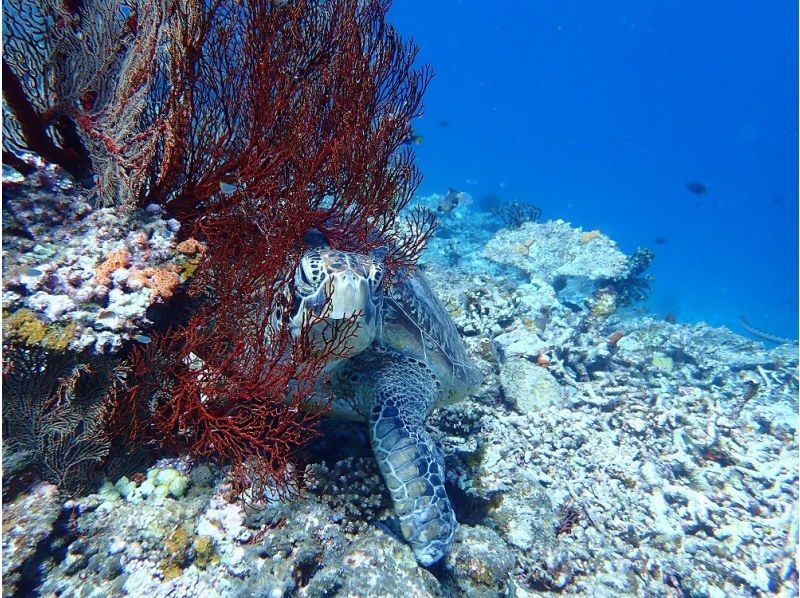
{"x": 607, "y": 453}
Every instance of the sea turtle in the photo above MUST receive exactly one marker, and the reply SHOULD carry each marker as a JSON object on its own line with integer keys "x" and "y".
{"x": 405, "y": 359}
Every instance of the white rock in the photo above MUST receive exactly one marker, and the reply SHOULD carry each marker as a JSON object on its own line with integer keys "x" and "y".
{"x": 53, "y": 306}
{"x": 650, "y": 474}
{"x": 528, "y": 386}
{"x": 117, "y": 546}
{"x": 519, "y": 343}
{"x": 119, "y": 276}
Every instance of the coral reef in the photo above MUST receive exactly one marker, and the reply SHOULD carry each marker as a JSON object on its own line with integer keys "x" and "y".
{"x": 81, "y": 89}
{"x": 605, "y": 453}
{"x": 354, "y": 490}
{"x": 27, "y": 520}
{"x": 482, "y": 309}
{"x": 174, "y": 125}
{"x": 83, "y": 278}
{"x": 556, "y": 254}
{"x": 625, "y": 480}
{"x": 632, "y": 286}
{"x": 235, "y": 383}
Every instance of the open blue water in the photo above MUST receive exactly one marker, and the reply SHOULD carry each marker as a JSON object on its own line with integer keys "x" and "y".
{"x": 602, "y": 112}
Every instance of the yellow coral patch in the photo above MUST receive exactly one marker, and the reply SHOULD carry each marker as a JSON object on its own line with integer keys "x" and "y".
{"x": 175, "y": 546}
{"x": 189, "y": 268}
{"x": 589, "y": 236}
{"x": 24, "y": 325}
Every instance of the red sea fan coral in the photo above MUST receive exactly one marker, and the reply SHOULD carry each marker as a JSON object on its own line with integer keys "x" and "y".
{"x": 233, "y": 384}
{"x": 296, "y": 114}
{"x": 252, "y": 122}
{"x": 80, "y": 88}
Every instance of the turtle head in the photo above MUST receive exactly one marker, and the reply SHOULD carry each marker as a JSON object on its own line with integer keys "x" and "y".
{"x": 342, "y": 289}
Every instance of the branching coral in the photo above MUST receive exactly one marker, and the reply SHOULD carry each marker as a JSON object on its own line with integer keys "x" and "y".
{"x": 55, "y": 410}
{"x": 517, "y": 213}
{"x": 352, "y": 488}
{"x": 232, "y": 385}
{"x": 295, "y": 115}
{"x": 632, "y": 286}
{"x": 80, "y": 88}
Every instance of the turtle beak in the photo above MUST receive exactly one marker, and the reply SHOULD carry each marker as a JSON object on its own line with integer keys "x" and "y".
{"x": 349, "y": 295}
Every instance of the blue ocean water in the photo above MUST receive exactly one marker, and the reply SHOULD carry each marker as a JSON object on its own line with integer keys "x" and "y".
{"x": 600, "y": 113}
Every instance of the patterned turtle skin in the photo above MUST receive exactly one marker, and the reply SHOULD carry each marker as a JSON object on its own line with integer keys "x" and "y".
{"x": 406, "y": 359}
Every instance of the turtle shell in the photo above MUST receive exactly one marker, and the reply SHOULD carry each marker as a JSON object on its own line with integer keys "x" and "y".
{"x": 417, "y": 322}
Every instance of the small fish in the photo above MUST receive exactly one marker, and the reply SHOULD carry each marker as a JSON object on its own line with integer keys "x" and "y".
{"x": 542, "y": 319}
{"x": 32, "y": 272}
{"x": 697, "y": 188}
{"x": 670, "y": 319}
{"x": 105, "y": 313}
{"x": 141, "y": 338}
{"x": 660, "y": 240}
{"x": 449, "y": 201}
{"x": 444, "y": 123}
{"x": 413, "y": 139}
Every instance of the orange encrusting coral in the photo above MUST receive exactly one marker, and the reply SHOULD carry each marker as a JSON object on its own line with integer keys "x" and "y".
{"x": 114, "y": 261}
{"x": 162, "y": 282}
{"x": 191, "y": 246}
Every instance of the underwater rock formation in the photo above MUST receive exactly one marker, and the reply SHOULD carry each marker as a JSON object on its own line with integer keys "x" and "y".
{"x": 605, "y": 453}
{"x": 573, "y": 262}
{"x": 683, "y": 480}
{"x": 28, "y": 520}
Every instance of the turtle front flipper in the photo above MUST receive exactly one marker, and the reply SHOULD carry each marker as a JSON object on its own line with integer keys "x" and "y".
{"x": 402, "y": 391}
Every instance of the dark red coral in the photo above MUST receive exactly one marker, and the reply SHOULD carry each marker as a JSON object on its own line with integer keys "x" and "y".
{"x": 233, "y": 384}
{"x": 254, "y": 123}
{"x": 311, "y": 103}
{"x": 303, "y": 134}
